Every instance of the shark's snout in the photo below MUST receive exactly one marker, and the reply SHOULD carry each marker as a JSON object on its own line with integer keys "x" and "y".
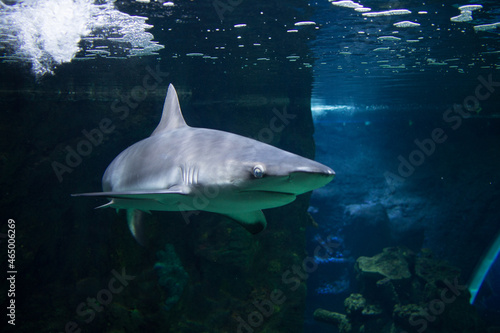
{"x": 317, "y": 169}
{"x": 310, "y": 175}
{"x": 305, "y": 181}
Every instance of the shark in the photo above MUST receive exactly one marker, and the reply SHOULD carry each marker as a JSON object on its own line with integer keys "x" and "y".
{"x": 185, "y": 169}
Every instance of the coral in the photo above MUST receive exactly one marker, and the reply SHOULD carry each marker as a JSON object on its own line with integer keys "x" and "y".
{"x": 432, "y": 270}
{"x": 390, "y": 264}
{"x": 333, "y": 318}
{"x": 171, "y": 274}
{"x": 402, "y": 291}
{"x": 356, "y": 304}
{"x": 385, "y": 275}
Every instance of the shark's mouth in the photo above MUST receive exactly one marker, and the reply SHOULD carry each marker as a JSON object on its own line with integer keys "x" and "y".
{"x": 289, "y": 185}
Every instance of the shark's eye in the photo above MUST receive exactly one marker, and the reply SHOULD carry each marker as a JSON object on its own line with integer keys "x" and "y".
{"x": 258, "y": 171}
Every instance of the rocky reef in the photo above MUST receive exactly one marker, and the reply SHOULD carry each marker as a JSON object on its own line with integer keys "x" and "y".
{"x": 404, "y": 292}
{"x": 171, "y": 274}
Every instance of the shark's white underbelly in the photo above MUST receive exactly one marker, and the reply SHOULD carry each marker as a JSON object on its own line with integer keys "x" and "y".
{"x": 211, "y": 202}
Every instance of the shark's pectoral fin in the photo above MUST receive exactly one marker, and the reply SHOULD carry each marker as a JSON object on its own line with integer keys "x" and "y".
{"x": 253, "y": 221}
{"x": 135, "y": 224}
{"x": 109, "y": 204}
{"x": 146, "y": 194}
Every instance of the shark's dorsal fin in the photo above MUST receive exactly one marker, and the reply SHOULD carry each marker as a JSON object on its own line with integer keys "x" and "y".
{"x": 171, "y": 117}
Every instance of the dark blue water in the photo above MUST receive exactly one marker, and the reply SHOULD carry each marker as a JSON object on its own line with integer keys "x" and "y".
{"x": 408, "y": 117}
{"x": 376, "y": 102}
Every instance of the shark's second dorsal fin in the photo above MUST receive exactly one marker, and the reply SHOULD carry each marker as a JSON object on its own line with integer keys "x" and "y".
{"x": 171, "y": 117}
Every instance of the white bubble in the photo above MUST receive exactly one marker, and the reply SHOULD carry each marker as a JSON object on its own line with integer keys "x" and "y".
{"x": 362, "y": 9}
{"x": 389, "y": 38}
{"x": 465, "y": 13}
{"x": 487, "y": 27}
{"x": 464, "y": 17}
{"x": 347, "y": 4}
{"x": 47, "y": 33}
{"x": 470, "y": 7}
{"x": 305, "y": 23}
{"x": 406, "y": 24}
{"x": 388, "y": 13}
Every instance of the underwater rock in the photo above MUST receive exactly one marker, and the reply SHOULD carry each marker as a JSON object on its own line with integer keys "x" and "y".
{"x": 366, "y": 224}
{"x": 356, "y": 304}
{"x": 222, "y": 243}
{"x": 172, "y": 276}
{"x": 333, "y": 318}
{"x": 431, "y": 270}
{"x": 406, "y": 314}
{"x": 404, "y": 291}
{"x": 359, "y": 315}
{"x": 390, "y": 264}
{"x": 130, "y": 318}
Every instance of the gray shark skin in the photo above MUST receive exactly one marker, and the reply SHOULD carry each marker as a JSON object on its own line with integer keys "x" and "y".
{"x": 181, "y": 168}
